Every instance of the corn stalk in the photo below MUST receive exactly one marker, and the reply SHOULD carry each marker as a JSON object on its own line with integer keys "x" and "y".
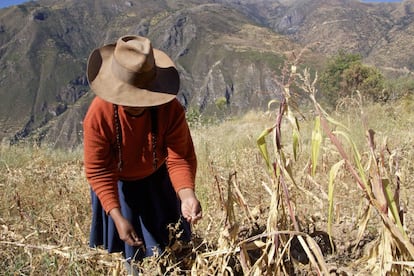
{"x": 281, "y": 173}
{"x": 393, "y": 246}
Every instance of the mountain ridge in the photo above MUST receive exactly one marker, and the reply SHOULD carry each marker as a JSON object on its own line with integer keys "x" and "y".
{"x": 224, "y": 49}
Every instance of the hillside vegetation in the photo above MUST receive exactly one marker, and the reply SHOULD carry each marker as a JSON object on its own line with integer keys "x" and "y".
{"x": 224, "y": 49}
{"x": 45, "y": 211}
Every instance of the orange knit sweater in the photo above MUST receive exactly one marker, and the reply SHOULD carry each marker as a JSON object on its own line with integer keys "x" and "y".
{"x": 174, "y": 146}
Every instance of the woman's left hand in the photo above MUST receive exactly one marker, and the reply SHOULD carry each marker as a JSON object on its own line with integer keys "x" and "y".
{"x": 190, "y": 206}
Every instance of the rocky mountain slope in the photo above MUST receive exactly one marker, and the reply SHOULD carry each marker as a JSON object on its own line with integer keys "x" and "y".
{"x": 224, "y": 49}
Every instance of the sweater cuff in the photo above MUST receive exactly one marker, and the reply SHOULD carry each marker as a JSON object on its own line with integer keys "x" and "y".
{"x": 109, "y": 205}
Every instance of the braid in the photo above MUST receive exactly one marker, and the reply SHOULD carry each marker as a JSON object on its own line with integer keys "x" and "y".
{"x": 154, "y": 133}
{"x": 118, "y": 136}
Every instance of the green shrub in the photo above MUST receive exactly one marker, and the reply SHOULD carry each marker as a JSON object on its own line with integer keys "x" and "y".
{"x": 345, "y": 74}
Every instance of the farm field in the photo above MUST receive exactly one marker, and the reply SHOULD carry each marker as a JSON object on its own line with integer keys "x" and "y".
{"x": 248, "y": 224}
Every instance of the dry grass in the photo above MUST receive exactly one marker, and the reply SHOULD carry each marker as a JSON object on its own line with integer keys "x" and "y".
{"x": 45, "y": 213}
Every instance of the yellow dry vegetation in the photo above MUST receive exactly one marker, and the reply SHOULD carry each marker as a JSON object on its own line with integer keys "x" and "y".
{"x": 45, "y": 213}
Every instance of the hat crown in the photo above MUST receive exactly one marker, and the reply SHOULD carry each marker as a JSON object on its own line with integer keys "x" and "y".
{"x": 135, "y": 54}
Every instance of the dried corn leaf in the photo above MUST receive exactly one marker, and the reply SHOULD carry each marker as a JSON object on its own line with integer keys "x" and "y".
{"x": 316, "y": 144}
{"x": 362, "y": 225}
{"x": 331, "y": 187}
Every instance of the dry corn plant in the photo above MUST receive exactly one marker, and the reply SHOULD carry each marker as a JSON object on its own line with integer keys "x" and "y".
{"x": 279, "y": 244}
{"x": 377, "y": 176}
{"x": 226, "y": 256}
{"x": 284, "y": 236}
{"x": 277, "y": 247}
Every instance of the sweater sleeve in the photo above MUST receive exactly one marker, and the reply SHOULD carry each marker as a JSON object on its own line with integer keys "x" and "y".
{"x": 181, "y": 159}
{"x": 99, "y": 158}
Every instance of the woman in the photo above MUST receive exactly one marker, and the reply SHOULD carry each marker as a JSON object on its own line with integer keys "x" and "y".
{"x": 138, "y": 152}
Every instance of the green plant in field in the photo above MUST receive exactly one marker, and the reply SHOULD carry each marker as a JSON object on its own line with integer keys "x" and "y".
{"x": 400, "y": 87}
{"x": 221, "y": 103}
{"x": 193, "y": 117}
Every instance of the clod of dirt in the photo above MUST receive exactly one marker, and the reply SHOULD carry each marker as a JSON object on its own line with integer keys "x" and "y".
{"x": 320, "y": 237}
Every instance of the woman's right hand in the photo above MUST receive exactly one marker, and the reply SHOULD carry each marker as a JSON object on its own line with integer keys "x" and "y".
{"x": 125, "y": 229}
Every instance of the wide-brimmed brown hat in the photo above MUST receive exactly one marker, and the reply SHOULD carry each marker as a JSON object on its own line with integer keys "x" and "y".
{"x": 132, "y": 73}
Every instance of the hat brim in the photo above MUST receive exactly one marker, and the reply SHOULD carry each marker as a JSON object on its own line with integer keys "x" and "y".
{"x": 162, "y": 89}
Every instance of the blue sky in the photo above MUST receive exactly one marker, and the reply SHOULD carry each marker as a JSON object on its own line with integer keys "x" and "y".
{"x": 6, "y": 3}
{"x": 382, "y": 0}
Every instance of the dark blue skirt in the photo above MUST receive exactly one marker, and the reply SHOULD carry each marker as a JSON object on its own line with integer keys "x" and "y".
{"x": 151, "y": 205}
